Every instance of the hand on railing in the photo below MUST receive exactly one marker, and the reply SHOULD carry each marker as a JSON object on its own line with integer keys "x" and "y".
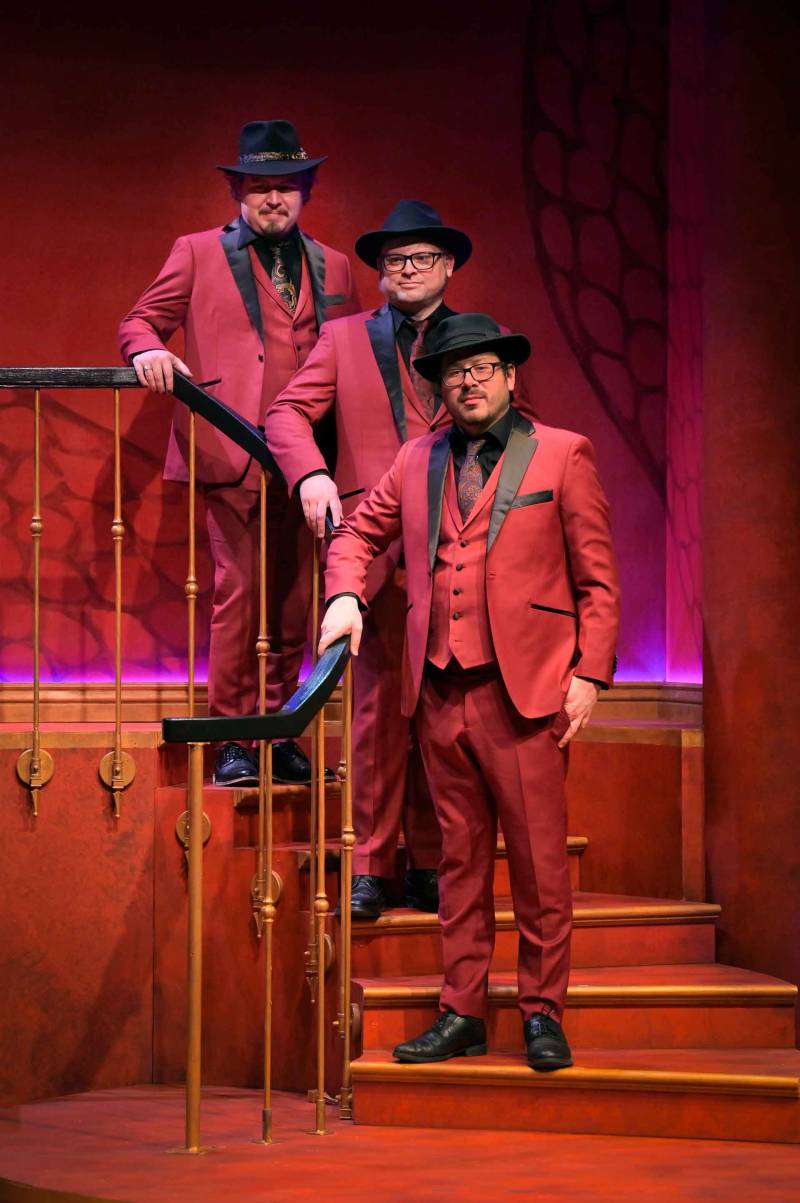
{"x": 318, "y": 494}
{"x": 154, "y": 369}
{"x": 342, "y": 617}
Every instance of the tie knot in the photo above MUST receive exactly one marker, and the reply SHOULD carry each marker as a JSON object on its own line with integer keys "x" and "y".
{"x": 419, "y": 327}
{"x": 474, "y": 446}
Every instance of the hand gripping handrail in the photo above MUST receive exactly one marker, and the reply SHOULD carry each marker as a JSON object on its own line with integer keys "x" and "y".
{"x": 287, "y": 723}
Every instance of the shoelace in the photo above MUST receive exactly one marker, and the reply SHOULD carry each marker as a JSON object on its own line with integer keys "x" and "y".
{"x": 542, "y": 1025}
{"x": 230, "y": 752}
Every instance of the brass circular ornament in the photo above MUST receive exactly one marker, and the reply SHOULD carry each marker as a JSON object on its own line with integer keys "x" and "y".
{"x": 182, "y": 829}
{"x": 277, "y": 887}
{"x": 46, "y": 768}
{"x": 127, "y": 771}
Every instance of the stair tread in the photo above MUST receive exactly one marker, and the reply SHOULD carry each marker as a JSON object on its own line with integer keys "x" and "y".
{"x": 774, "y": 1072}
{"x": 588, "y": 909}
{"x": 575, "y": 843}
{"x": 675, "y": 981}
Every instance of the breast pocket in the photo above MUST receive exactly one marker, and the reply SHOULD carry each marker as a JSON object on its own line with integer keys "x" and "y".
{"x": 531, "y": 498}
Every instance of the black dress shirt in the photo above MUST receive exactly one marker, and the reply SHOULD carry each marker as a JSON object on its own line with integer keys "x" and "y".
{"x": 405, "y": 330}
{"x": 264, "y": 247}
{"x": 495, "y": 440}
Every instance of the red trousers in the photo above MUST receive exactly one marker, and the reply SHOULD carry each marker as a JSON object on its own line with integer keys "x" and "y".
{"x": 485, "y": 762}
{"x": 232, "y": 517}
{"x": 390, "y": 791}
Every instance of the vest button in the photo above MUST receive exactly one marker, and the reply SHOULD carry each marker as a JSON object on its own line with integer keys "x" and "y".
{"x": 459, "y": 567}
{"x": 261, "y": 359}
{"x": 463, "y": 543}
{"x": 457, "y": 615}
{"x": 457, "y": 590}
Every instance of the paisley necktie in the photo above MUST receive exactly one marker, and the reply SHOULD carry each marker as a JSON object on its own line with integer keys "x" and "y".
{"x": 423, "y": 387}
{"x": 470, "y": 478}
{"x": 280, "y": 277}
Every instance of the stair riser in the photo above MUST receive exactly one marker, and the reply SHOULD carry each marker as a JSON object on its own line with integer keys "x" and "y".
{"x": 606, "y": 1027}
{"x": 630, "y": 1112}
{"x": 387, "y": 953}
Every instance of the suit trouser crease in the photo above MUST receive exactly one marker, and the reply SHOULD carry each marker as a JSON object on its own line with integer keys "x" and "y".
{"x": 485, "y": 762}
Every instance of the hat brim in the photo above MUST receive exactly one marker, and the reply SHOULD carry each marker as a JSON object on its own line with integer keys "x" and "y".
{"x": 512, "y": 348}
{"x": 369, "y": 245}
{"x": 273, "y": 167}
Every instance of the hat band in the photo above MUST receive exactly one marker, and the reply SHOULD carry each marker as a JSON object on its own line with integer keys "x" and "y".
{"x": 264, "y": 155}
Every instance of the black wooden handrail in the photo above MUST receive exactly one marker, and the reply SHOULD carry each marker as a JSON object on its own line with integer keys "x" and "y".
{"x": 220, "y": 415}
{"x": 287, "y": 723}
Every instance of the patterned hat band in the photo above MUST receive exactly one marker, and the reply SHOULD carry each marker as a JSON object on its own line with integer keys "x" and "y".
{"x": 265, "y": 155}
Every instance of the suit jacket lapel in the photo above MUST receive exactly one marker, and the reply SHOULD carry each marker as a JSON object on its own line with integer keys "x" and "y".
{"x": 518, "y": 454}
{"x": 315, "y": 257}
{"x": 380, "y": 329}
{"x": 437, "y": 475}
{"x": 239, "y": 263}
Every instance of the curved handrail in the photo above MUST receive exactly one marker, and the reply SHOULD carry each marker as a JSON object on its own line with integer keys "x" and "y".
{"x": 226, "y": 420}
{"x": 287, "y": 723}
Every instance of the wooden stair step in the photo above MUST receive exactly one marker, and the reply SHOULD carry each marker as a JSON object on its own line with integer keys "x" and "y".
{"x": 749, "y": 1094}
{"x": 650, "y": 1006}
{"x": 608, "y": 929}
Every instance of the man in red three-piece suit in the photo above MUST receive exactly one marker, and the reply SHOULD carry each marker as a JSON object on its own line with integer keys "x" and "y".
{"x": 252, "y": 298}
{"x": 510, "y": 633}
{"x": 362, "y": 370}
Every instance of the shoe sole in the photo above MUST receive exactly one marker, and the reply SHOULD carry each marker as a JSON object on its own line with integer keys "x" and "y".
{"x": 547, "y": 1066}
{"x": 237, "y": 783}
{"x": 474, "y": 1050}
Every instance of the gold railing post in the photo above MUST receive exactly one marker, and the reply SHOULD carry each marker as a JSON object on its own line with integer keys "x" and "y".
{"x": 311, "y": 959}
{"x": 346, "y": 919}
{"x": 195, "y": 949}
{"x": 35, "y": 765}
{"x": 191, "y": 574}
{"x": 320, "y": 915}
{"x": 117, "y": 769}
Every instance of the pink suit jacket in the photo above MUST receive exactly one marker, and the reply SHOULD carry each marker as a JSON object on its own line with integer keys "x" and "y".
{"x": 551, "y": 573}
{"x": 207, "y": 286}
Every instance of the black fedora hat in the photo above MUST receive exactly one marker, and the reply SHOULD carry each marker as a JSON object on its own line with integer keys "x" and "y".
{"x": 418, "y": 222}
{"x": 270, "y": 148}
{"x": 469, "y": 333}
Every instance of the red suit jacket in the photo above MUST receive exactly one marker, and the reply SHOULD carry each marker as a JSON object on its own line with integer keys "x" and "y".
{"x": 207, "y": 286}
{"x": 355, "y": 365}
{"x": 551, "y": 574}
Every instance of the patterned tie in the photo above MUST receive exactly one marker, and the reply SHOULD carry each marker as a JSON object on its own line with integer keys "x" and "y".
{"x": 470, "y": 478}
{"x": 423, "y": 387}
{"x": 280, "y": 277}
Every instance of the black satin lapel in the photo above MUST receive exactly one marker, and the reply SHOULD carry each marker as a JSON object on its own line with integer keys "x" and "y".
{"x": 239, "y": 262}
{"x": 315, "y": 257}
{"x": 437, "y": 474}
{"x": 380, "y": 329}
{"x": 519, "y": 453}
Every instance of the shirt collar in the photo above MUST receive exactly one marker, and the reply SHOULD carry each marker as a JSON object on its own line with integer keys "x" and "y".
{"x": 248, "y": 235}
{"x": 499, "y": 433}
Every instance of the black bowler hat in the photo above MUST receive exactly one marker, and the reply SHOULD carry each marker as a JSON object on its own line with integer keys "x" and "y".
{"x": 418, "y": 222}
{"x": 271, "y": 148}
{"x": 469, "y": 333}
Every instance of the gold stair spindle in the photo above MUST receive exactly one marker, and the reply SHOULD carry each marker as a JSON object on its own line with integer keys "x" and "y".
{"x": 320, "y": 915}
{"x": 346, "y": 918}
{"x": 195, "y": 949}
{"x": 312, "y": 962}
{"x": 35, "y": 765}
{"x": 117, "y": 768}
{"x": 191, "y": 573}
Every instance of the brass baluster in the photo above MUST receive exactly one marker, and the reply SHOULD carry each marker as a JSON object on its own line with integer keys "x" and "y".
{"x": 312, "y": 962}
{"x": 195, "y": 949}
{"x": 190, "y": 588}
{"x": 35, "y": 765}
{"x": 117, "y": 769}
{"x": 344, "y": 1022}
{"x": 320, "y": 915}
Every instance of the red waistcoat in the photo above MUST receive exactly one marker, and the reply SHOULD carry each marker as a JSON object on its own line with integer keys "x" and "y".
{"x": 288, "y": 337}
{"x": 459, "y": 623}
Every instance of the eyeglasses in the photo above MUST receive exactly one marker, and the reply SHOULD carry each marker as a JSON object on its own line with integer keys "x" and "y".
{"x": 480, "y": 373}
{"x": 422, "y": 261}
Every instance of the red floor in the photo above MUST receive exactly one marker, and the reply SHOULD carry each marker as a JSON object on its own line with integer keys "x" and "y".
{"x": 115, "y": 1145}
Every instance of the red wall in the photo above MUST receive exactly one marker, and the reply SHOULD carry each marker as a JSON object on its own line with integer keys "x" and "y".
{"x": 113, "y": 127}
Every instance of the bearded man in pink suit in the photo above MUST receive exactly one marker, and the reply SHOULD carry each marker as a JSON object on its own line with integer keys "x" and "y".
{"x": 513, "y": 610}
{"x": 252, "y": 298}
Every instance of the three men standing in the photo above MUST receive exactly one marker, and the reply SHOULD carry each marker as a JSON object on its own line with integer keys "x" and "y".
{"x": 511, "y": 625}
{"x": 252, "y": 298}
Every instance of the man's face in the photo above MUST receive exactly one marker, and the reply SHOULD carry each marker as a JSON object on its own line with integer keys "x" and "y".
{"x": 476, "y": 405}
{"x": 411, "y": 289}
{"x": 271, "y": 204}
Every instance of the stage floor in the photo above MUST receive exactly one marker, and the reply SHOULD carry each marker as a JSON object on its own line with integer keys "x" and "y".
{"x": 115, "y": 1145}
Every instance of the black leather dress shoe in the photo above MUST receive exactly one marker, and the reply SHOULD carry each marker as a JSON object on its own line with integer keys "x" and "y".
{"x": 450, "y": 1036}
{"x": 291, "y": 766}
{"x": 368, "y": 898}
{"x": 235, "y": 765}
{"x": 546, "y": 1043}
{"x": 422, "y": 890}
